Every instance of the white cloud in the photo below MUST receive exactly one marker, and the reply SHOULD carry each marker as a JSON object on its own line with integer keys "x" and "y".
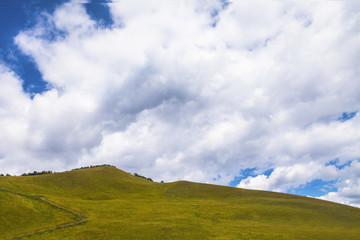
{"x": 283, "y": 179}
{"x": 14, "y": 107}
{"x": 166, "y": 93}
{"x": 348, "y": 188}
{"x": 73, "y": 19}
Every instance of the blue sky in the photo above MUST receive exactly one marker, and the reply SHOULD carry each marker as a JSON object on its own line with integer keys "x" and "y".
{"x": 20, "y": 15}
{"x": 15, "y": 16}
{"x": 246, "y": 94}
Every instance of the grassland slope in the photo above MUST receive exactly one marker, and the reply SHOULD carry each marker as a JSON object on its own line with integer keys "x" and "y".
{"x": 119, "y": 205}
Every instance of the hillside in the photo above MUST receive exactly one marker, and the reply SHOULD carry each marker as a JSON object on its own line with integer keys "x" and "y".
{"x": 107, "y": 203}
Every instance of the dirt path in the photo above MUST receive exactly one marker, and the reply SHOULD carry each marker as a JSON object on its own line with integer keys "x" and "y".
{"x": 79, "y": 217}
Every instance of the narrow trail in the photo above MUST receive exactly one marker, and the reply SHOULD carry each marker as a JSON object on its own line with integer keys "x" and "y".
{"x": 79, "y": 217}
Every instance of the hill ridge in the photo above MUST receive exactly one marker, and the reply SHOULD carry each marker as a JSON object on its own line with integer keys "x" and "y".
{"x": 119, "y": 205}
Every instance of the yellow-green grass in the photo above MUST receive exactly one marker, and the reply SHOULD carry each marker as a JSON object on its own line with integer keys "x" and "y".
{"x": 22, "y": 214}
{"x": 119, "y": 205}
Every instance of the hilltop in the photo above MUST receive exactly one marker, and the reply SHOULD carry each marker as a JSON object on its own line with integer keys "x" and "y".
{"x": 108, "y": 203}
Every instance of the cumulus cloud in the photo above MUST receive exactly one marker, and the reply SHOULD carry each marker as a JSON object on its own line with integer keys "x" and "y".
{"x": 14, "y": 118}
{"x": 195, "y": 90}
{"x": 285, "y": 178}
{"x": 348, "y": 186}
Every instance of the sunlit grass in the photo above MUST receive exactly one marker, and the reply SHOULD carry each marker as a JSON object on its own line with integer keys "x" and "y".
{"x": 121, "y": 206}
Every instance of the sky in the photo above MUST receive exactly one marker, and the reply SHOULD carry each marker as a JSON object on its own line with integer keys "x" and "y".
{"x": 250, "y": 94}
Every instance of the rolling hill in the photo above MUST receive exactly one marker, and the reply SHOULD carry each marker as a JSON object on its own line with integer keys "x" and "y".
{"x": 108, "y": 203}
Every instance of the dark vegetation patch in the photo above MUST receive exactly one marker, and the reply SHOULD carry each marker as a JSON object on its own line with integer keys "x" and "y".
{"x": 140, "y": 176}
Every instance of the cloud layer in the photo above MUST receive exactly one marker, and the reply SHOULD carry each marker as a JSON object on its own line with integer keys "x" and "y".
{"x": 195, "y": 90}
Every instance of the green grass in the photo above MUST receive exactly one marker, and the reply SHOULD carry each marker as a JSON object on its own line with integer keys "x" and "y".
{"x": 121, "y": 206}
{"x": 23, "y": 214}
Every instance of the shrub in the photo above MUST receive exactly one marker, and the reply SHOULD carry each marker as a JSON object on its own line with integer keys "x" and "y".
{"x": 138, "y": 175}
{"x": 93, "y": 166}
{"x": 36, "y": 173}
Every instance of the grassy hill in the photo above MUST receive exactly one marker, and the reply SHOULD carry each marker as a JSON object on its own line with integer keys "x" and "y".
{"x": 107, "y": 203}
